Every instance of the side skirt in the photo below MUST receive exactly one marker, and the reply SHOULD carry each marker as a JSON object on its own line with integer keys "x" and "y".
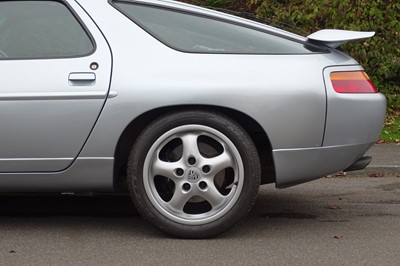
{"x": 85, "y": 174}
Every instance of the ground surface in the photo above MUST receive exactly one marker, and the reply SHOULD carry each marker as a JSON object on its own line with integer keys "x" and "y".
{"x": 332, "y": 221}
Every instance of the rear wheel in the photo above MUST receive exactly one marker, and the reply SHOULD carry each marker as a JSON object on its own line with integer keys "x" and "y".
{"x": 194, "y": 174}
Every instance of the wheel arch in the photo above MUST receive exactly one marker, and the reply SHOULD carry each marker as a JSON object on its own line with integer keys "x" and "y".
{"x": 135, "y": 127}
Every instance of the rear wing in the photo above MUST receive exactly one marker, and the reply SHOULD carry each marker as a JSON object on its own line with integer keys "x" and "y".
{"x": 335, "y": 38}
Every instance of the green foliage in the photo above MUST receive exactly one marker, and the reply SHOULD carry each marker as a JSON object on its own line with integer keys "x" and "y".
{"x": 233, "y": 5}
{"x": 215, "y": 3}
{"x": 391, "y": 131}
{"x": 379, "y": 55}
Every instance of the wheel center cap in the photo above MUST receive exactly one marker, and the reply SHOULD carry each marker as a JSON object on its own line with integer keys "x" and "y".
{"x": 193, "y": 176}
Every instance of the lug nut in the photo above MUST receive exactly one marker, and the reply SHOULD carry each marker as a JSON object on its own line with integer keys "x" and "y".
{"x": 191, "y": 161}
{"x": 186, "y": 187}
{"x": 179, "y": 172}
{"x": 206, "y": 169}
{"x": 202, "y": 185}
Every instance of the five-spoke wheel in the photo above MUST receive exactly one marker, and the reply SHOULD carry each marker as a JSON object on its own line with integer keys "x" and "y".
{"x": 194, "y": 174}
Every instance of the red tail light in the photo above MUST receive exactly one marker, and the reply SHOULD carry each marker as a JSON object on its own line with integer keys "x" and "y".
{"x": 352, "y": 82}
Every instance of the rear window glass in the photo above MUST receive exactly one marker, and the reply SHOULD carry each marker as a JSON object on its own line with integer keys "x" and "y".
{"x": 194, "y": 33}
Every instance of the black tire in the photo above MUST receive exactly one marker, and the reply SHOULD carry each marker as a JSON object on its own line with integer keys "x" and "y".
{"x": 210, "y": 173}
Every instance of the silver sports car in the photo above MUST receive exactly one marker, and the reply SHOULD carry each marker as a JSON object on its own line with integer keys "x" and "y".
{"x": 188, "y": 109}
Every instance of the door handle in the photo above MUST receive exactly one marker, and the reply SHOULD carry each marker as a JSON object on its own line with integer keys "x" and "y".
{"x": 82, "y": 79}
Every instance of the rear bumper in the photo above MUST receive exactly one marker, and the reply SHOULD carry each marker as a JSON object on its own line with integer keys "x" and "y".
{"x": 353, "y": 124}
{"x": 295, "y": 166}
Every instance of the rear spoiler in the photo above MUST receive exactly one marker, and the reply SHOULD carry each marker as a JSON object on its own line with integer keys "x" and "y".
{"x": 335, "y": 38}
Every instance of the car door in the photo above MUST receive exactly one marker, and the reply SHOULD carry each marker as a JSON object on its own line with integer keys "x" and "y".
{"x": 55, "y": 69}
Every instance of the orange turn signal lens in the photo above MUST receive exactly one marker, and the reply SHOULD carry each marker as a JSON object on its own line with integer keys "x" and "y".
{"x": 352, "y": 82}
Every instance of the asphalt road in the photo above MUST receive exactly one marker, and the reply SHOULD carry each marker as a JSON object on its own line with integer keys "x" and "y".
{"x": 332, "y": 221}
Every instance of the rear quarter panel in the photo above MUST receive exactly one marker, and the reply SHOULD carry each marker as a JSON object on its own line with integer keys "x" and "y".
{"x": 285, "y": 94}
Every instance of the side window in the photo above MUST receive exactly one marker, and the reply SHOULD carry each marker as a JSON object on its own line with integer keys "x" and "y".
{"x": 40, "y": 29}
{"x": 198, "y": 34}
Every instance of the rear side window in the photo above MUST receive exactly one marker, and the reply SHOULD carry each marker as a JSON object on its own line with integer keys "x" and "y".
{"x": 194, "y": 33}
{"x": 40, "y": 29}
